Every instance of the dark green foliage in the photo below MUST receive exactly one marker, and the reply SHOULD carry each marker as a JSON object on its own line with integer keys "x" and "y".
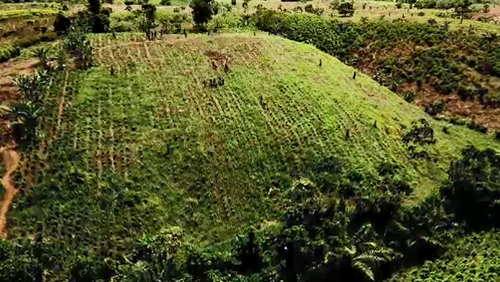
{"x": 166, "y": 2}
{"x": 202, "y": 10}
{"x": 409, "y": 96}
{"x": 61, "y": 23}
{"x": 346, "y": 9}
{"x": 473, "y": 191}
{"x": 462, "y": 7}
{"x": 399, "y": 5}
{"x": 310, "y": 9}
{"x": 435, "y": 108}
{"x": 95, "y": 17}
{"x": 32, "y": 87}
{"x": 421, "y": 133}
{"x": 233, "y": 2}
{"x": 418, "y": 138}
{"x": 25, "y": 117}
{"x": 147, "y": 21}
{"x": 477, "y": 127}
{"x": 77, "y": 43}
{"x": 497, "y": 135}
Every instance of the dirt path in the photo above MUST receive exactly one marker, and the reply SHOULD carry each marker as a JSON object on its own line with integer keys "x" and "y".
{"x": 11, "y": 161}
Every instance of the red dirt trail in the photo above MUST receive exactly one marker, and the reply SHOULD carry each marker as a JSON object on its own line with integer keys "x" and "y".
{"x": 11, "y": 161}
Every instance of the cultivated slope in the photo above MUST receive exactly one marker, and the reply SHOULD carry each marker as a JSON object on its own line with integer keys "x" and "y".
{"x": 150, "y": 145}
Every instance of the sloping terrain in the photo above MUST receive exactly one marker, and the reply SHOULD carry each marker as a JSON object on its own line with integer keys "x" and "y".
{"x": 146, "y": 142}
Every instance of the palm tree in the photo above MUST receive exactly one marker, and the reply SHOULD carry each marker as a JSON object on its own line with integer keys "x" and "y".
{"x": 365, "y": 259}
{"x": 358, "y": 262}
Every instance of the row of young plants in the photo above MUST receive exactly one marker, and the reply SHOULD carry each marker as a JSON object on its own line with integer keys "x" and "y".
{"x": 408, "y": 56}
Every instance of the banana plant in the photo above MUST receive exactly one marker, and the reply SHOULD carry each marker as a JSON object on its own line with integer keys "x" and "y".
{"x": 43, "y": 55}
{"x": 32, "y": 87}
{"x": 25, "y": 116}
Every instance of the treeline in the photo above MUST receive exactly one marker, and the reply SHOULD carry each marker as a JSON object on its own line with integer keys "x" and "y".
{"x": 401, "y": 55}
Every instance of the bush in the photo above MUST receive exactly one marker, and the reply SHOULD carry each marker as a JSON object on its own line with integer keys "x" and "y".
{"x": 473, "y": 192}
{"x": 409, "y": 96}
{"x": 399, "y": 5}
{"x": 224, "y": 21}
{"x": 497, "y": 135}
{"x": 435, "y": 108}
{"x": 128, "y": 3}
{"x": 310, "y": 9}
{"x": 346, "y": 9}
{"x": 477, "y": 127}
{"x": 233, "y": 2}
{"x": 61, "y": 23}
{"x": 421, "y": 14}
{"x": 166, "y": 2}
{"x": 203, "y": 10}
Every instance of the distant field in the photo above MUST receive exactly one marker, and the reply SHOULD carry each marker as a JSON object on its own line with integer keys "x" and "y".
{"x": 14, "y": 14}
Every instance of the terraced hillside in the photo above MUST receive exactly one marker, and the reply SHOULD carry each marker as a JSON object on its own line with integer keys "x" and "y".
{"x": 148, "y": 143}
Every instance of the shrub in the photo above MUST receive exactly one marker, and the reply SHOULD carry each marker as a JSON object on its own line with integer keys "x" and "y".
{"x": 409, "y": 96}
{"x": 497, "y": 135}
{"x": 420, "y": 14}
{"x": 128, "y": 3}
{"x": 166, "y": 2}
{"x": 477, "y": 127}
{"x": 399, "y": 5}
{"x": 203, "y": 10}
{"x": 310, "y": 9}
{"x": 245, "y": 4}
{"x": 346, "y": 9}
{"x": 61, "y": 23}
{"x": 435, "y": 108}
{"x": 233, "y": 2}
{"x": 224, "y": 21}
{"x": 473, "y": 192}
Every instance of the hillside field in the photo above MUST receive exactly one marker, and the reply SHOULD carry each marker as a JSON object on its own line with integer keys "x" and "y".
{"x": 207, "y": 159}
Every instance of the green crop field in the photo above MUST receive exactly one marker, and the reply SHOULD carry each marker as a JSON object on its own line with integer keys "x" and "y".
{"x": 472, "y": 258}
{"x": 155, "y": 123}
